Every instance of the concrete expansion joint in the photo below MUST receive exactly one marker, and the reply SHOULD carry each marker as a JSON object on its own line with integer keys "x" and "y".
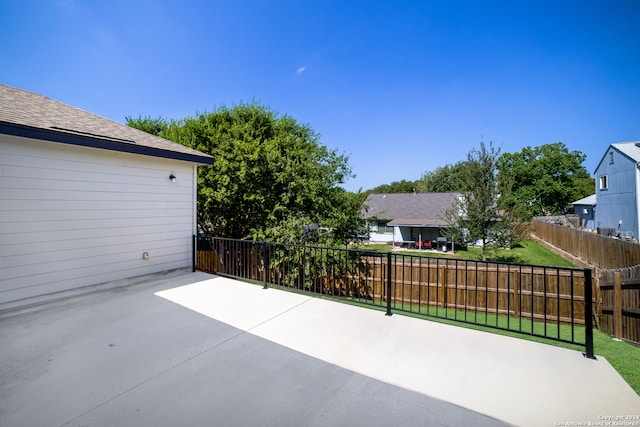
{"x": 280, "y": 314}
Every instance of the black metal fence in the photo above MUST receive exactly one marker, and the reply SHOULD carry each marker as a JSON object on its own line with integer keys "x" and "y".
{"x": 549, "y": 302}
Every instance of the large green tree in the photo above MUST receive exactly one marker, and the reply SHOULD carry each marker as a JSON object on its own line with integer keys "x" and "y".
{"x": 478, "y": 216}
{"x": 543, "y": 180}
{"x": 443, "y": 179}
{"x": 271, "y": 174}
{"x": 480, "y": 194}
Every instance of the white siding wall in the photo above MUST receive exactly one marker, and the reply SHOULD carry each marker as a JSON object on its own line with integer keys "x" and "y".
{"x": 75, "y": 216}
{"x": 380, "y": 237}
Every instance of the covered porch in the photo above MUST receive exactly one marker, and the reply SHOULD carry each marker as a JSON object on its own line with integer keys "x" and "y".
{"x": 421, "y": 234}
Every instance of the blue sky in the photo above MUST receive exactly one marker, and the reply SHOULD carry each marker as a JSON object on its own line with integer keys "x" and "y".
{"x": 401, "y": 87}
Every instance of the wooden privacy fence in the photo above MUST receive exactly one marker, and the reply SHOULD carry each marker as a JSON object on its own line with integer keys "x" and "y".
{"x": 550, "y": 302}
{"x": 554, "y": 294}
{"x": 600, "y": 251}
{"x": 617, "y": 284}
{"x": 619, "y": 303}
{"x": 549, "y": 294}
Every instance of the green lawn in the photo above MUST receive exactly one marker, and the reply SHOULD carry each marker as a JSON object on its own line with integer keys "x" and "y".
{"x": 527, "y": 252}
{"x": 623, "y": 356}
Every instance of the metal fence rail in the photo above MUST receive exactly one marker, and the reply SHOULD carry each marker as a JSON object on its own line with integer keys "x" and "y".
{"x": 548, "y": 302}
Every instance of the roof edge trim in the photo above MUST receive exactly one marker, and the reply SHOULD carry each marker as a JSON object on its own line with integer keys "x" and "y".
{"x": 97, "y": 142}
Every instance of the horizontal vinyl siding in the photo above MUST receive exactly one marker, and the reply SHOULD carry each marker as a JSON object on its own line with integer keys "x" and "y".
{"x": 73, "y": 216}
{"x": 618, "y": 202}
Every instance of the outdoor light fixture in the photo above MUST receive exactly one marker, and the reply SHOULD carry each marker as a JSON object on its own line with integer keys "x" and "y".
{"x": 172, "y": 177}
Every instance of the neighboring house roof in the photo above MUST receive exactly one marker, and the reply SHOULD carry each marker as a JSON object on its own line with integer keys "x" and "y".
{"x": 30, "y": 115}
{"x": 589, "y": 200}
{"x": 409, "y": 209}
{"x": 418, "y": 222}
{"x": 630, "y": 149}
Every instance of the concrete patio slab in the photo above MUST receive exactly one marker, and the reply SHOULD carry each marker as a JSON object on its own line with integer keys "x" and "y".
{"x": 127, "y": 357}
{"x": 520, "y": 382}
{"x": 200, "y": 350}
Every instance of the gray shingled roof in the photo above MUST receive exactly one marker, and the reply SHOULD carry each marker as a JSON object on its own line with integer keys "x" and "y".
{"x": 408, "y": 209}
{"x": 30, "y": 115}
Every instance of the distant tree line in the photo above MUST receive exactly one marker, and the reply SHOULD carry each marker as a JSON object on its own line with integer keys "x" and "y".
{"x": 501, "y": 192}
{"x": 395, "y": 187}
{"x": 535, "y": 181}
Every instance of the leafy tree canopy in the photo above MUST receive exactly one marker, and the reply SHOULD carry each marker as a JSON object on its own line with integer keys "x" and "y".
{"x": 271, "y": 174}
{"x": 403, "y": 186}
{"x": 444, "y": 179}
{"x": 543, "y": 180}
{"x": 477, "y": 216}
{"x": 155, "y": 127}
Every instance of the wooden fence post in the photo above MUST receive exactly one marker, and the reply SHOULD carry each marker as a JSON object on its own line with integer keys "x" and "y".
{"x": 617, "y": 305}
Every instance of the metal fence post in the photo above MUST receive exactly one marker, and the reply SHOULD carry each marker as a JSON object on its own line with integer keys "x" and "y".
{"x": 588, "y": 313}
{"x": 388, "y": 313}
{"x": 265, "y": 260}
{"x": 193, "y": 253}
{"x": 617, "y": 305}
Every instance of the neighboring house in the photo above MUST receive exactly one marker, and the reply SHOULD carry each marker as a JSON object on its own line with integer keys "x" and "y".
{"x": 407, "y": 217}
{"x": 586, "y": 208}
{"x": 86, "y": 201}
{"x": 618, "y": 190}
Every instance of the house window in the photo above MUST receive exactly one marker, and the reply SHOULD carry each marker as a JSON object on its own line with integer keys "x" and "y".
{"x": 381, "y": 227}
{"x": 611, "y": 157}
{"x": 604, "y": 182}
